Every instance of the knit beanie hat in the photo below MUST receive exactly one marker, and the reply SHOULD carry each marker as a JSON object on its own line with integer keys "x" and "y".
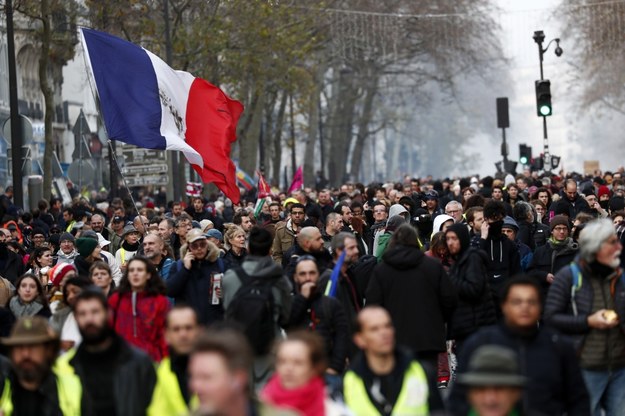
{"x": 559, "y": 220}
{"x": 58, "y": 272}
{"x": 85, "y": 246}
{"x": 67, "y": 236}
{"x": 617, "y": 203}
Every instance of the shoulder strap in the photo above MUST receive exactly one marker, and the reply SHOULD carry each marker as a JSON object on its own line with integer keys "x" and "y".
{"x": 576, "y": 273}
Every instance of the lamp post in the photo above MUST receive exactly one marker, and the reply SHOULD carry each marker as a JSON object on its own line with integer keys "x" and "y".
{"x": 539, "y": 38}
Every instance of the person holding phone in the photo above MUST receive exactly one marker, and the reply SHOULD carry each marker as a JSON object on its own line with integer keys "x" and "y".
{"x": 191, "y": 279}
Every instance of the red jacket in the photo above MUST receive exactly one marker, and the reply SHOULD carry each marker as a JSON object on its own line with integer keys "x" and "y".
{"x": 146, "y": 327}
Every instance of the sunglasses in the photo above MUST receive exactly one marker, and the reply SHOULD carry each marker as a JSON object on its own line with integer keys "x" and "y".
{"x": 198, "y": 244}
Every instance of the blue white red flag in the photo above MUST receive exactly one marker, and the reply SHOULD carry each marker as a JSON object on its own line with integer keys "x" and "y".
{"x": 145, "y": 102}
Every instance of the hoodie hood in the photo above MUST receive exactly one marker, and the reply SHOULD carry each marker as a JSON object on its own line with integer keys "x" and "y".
{"x": 396, "y": 209}
{"x": 403, "y": 257}
{"x": 439, "y": 221}
{"x": 462, "y": 232}
{"x": 261, "y": 266}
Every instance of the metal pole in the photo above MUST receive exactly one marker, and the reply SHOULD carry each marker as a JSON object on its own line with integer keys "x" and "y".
{"x": 504, "y": 149}
{"x": 16, "y": 123}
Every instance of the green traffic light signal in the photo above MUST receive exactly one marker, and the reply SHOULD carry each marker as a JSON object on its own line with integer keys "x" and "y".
{"x": 543, "y": 98}
{"x": 544, "y": 110}
{"x": 523, "y": 160}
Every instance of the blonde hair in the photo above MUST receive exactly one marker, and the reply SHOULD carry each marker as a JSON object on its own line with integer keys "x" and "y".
{"x": 230, "y": 233}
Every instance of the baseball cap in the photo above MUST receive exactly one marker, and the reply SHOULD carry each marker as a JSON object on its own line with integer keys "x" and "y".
{"x": 213, "y": 233}
{"x": 117, "y": 218}
{"x": 195, "y": 234}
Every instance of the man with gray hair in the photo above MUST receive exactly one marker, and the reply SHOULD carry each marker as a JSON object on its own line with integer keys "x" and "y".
{"x": 454, "y": 210}
{"x": 587, "y": 301}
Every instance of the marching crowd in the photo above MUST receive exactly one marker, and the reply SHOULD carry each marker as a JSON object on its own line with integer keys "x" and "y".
{"x": 492, "y": 296}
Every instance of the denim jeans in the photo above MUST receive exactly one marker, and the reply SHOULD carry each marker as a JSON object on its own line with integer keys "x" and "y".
{"x": 607, "y": 391}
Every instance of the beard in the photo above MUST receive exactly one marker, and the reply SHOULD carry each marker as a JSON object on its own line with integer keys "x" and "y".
{"x": 31, "y": 372}
{"x": 95, "y": 335}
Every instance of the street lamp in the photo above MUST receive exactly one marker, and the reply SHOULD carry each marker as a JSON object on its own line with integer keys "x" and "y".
{"x": 543, "y": 91}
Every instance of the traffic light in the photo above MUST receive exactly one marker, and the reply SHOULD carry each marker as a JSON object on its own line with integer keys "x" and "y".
{"x": 525, "y": 154}
{"x": 543, "y": 98}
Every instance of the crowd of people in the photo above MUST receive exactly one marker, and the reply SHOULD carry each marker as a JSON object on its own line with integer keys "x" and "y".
{"x": 468, "y": 296}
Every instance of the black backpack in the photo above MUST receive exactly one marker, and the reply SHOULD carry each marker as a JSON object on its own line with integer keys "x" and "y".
{"x": 252, "y": 308}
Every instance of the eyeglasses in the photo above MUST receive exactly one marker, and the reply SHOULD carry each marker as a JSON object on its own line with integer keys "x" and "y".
{"x": 560, "y": 229}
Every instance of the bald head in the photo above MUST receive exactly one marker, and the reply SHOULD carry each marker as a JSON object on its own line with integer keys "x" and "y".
{"x": 310, "y": 240}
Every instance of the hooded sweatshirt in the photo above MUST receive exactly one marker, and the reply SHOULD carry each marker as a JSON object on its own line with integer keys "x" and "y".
{"x": 396, "y": 209}
{"x": 265, "y": 267}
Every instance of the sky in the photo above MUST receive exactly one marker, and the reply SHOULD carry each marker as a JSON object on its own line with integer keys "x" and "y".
{"x": 569, "y": 131}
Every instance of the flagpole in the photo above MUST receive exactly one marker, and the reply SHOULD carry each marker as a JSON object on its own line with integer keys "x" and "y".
{"x": 134, "y": 204}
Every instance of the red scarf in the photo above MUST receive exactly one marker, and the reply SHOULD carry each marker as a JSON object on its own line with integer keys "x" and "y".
{"x": 308, "y": 399}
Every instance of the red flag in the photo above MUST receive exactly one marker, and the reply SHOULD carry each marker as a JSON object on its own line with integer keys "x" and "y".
{"x": 263, "y": 188}
{"x": 298, "y": 181}
{"x": 212, "y": 119}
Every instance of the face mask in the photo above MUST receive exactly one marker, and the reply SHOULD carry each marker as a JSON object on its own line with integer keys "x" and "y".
{"x": 494, "y": 228}
{"x": 605, "y": 204}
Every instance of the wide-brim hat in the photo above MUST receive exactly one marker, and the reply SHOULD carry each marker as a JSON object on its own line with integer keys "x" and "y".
{"x": 129, "y": 229}
{"x": 30, "y": 330}
{"x": 493, "y": 365}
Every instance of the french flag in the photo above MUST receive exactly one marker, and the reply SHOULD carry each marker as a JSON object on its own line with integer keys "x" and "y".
{"x": 146, "y": 103}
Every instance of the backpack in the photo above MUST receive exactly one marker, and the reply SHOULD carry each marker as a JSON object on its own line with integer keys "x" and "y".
{"x": 252, "y": 308}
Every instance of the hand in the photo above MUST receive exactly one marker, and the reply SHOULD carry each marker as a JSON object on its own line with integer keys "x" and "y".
{"x": 307, "y": 289}
{"x": 598, "y": 321}
{"x": 219, "y": 293}
{"x": 550, "y": 278}
{"x": 484, "y": 230}
{"x": 186, "y": 261}
{"x": 332, "y": 372}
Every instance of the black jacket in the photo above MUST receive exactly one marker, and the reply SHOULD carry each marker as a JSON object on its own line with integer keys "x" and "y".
{"x": 533, "y": 234}
{"x": 134, "y": 378}
{"x": 559, "y": 311}
{"x": 418, "y": 294}
{"x": 503, "y": 262}
{"x": 194, "y": 287}
{"x": 323, "y": 258}
{"x": 325, "y": 316}
{"x": 555, "y": 386}
{"x": 11, "y": 264}
{"x": 475, "y": 301}
{"x": 550, "y": 258}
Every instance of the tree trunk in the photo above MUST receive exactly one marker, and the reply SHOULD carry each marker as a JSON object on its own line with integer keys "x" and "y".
{"x": 313, "y": 133}
{"x": 341, "y": 127}
{"x": 248, "y": 147}
{"x": 265, "y": 151}
{"x": 46, "y": 89}
{"x": 277, "y": 140}
{"x": 363, "y": 125}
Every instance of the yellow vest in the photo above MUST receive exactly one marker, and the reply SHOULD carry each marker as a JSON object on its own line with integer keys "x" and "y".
{"x": 167, "y": 398}
{"x": 70, "y": 226}
{"x": 412, "y": 399}
{"x": 69, "y": 392}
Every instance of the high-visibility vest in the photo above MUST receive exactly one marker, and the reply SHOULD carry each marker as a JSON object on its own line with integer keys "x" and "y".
{"x": 412, "y": 399}
{"x": 69, "y": 391}
{"x": 167, "y": 398}
{"x": 68, "y": 229}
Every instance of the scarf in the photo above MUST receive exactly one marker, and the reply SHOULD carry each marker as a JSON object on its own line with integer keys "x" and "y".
{"x": 308, "y": 399}
{"x": 555, "y": 243}
{"x": 131, "y": 247}
{"x": 24, "y": 309}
